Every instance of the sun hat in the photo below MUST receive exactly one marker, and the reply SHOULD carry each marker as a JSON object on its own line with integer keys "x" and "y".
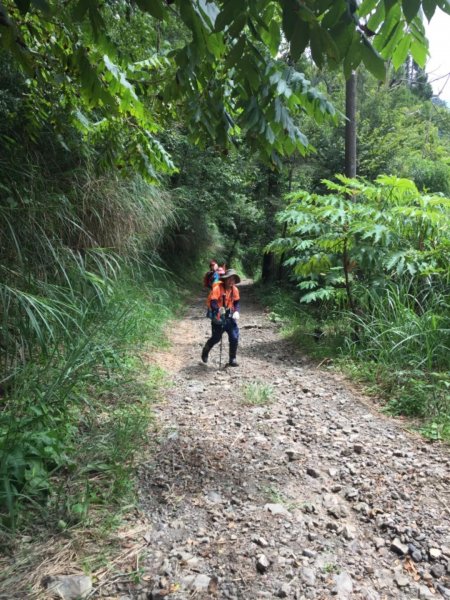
{"x": 230, "y": 273}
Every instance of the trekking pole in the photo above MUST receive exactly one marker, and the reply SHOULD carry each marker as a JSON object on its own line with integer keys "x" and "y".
{"x": 220, "y": 353}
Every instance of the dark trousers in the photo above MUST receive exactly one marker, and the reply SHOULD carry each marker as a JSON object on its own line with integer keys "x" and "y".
{"x": 231, "y": 328}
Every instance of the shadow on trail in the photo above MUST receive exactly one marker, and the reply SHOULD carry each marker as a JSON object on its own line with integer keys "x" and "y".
{"x": 199, "y": 371}
{"x": 187, "y": 464}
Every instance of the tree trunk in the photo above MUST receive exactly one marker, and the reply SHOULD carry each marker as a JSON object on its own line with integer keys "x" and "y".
{"x": 281, "y": 269}
{"x": 350, "y": 126}
{"x": 269, "y": 266}
{"x": 350, "y": 163}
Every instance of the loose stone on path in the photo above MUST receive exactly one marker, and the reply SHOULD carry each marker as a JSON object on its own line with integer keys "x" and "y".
{"x": 312, "y": 495}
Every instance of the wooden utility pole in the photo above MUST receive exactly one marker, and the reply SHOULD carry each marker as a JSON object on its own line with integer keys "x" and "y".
{"x": 350, "y": 126}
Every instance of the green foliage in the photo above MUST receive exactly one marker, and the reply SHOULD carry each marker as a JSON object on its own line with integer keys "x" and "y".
{"x": 68, "y": 235}
{"x": 61, "y": 255}
{"x": 431, "y": 175}
{"x": 404, "y": 339}
{"x": 315, "y": 328}
{"x": 217, "y": 204}
{"x": 364, "y": 233}
{"x": 402, "y": 328}
{"x": 400, "y": 131}
{"x": 72, "y": 422}
{"x": 373, "y": 261}
{"x": 400, "y": 353}
{"x": 230, "y": 67}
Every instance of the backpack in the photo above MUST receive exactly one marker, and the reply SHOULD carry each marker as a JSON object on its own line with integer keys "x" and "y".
{"x": 209, "y": 278}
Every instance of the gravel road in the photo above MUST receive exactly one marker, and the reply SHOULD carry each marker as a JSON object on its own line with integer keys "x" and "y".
{"x": 277, "y": 479}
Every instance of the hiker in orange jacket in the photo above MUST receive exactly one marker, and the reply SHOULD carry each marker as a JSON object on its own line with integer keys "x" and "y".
{"x": 223, "y": 303}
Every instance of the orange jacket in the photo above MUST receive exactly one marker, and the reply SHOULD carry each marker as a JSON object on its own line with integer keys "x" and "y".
{"x": 223, "y": 297}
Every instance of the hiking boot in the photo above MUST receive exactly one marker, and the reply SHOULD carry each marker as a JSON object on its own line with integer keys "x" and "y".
{"x": 233, "y": 362}
{"x": 205, "y": 353}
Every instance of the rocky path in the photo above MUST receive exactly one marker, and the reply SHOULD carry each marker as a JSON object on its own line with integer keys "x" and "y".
{"x": 276, "y": 480}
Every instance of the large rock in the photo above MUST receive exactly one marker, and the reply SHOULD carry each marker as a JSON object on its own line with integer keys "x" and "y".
{"x": 343, "y": 585}
{"x": 308, "y": 576}
{"x": 312, "y": 472}
{"x": 437, "y": 571}
{"x": 276, "y": 509}
{"x": 369, "y": 594}
{"x": 262, "y": 563}
{"x": 68, "y": 587}
{"x": 199, "y": 583}
{"x": 283, "y": 591}
{"x": 399, "y": 548}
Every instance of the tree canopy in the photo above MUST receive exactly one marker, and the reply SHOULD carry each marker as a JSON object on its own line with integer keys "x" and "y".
{"x": 231, "y": 72}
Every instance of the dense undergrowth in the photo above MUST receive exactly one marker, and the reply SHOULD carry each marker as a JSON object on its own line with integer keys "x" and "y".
{"x": 372, "y": 259}
{"x": 74, "y": 420}
{"x": 82, "y": 291}
{"x": 396, "y": 350}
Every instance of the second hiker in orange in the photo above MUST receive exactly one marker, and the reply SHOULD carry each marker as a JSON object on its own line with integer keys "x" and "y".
{"x": 223, "y": 304}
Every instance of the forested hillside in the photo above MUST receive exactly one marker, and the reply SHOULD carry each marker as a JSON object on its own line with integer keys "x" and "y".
{"x": 138, "y": 139}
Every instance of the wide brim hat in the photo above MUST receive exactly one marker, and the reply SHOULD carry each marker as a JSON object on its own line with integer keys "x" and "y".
{"x": 230, "y": 273}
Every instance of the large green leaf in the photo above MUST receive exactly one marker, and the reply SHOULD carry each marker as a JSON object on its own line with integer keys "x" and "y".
{"x": 444, "y": 5}
{"x": 300, "y": 38}
{"x": 334, "y": 15}
{"x": 390, "y": 26}
{"x": 373, "y": 61}
{"x": 353, "y": 56}
{"x": 236, "y": 52}
{"x": 153, "y": 7}
{"x": 411, "y": 8}
{"x": 419, "y": 52}
{"x": 401, "y": 52}
{"x": 231, "y": 9}
{"x": 366, "y": 7}
{"x": 429, "y": 8}
{"x": 317, "y": 46}
{"x": 391, "y": 43}
{"x": 377, "y": 17}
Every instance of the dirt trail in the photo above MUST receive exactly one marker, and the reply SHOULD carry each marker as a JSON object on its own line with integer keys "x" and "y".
{"x": 311, "y": 495}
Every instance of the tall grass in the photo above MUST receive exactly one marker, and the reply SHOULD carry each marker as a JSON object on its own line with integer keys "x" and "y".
{"x": 89, "y": 386}
{"x": 72, "y": 426}
{"x": 408, "y": 337}
{"x": 78, "y": 252}
{"x": 397, "y": 344}
{"x": 399, "y": 329}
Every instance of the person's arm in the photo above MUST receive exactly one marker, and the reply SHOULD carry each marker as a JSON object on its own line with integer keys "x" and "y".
{"x": 214, "y": 301}
{"x": 236, "y": 303}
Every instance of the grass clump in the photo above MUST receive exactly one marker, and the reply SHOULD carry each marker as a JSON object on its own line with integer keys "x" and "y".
{"x": 257, "y": 394}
